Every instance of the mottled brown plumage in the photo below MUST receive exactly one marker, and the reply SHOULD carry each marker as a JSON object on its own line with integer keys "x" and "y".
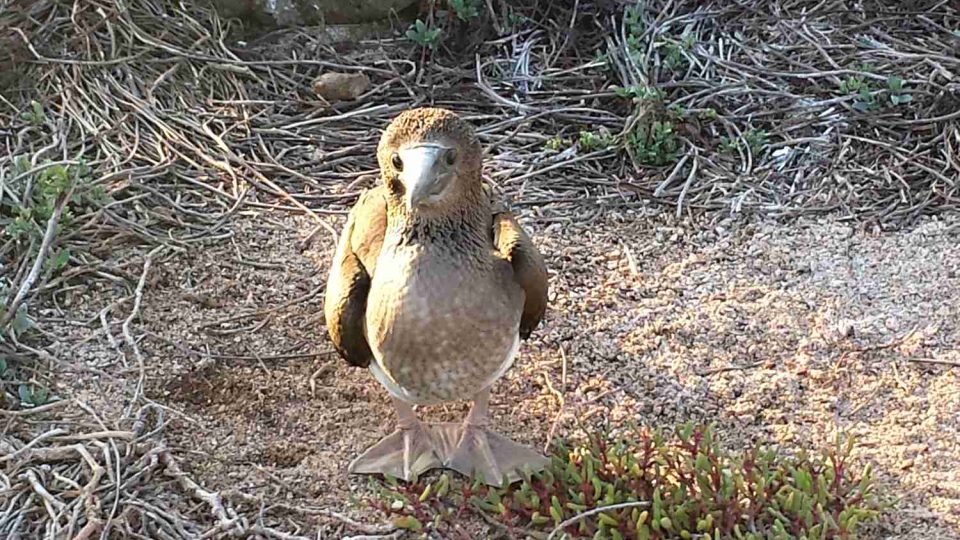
{"x": 355, "y": 260}
{"x": 432, "y": 285}
{"x": 528, "y": 268}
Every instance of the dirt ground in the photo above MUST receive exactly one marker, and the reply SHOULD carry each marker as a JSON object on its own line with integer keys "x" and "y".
{"x": 781, "y": 333}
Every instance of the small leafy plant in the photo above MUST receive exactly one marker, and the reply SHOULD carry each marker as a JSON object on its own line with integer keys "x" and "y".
{"x": 32, "y": 395}
{"x": 465, "y": 10}
{"x": 654, "y": 143}
{"x": 423, "y": 35}
{"x": 514, "y": 19}
{"x": 641, "y": 94}
{"x": 35, "y": 115}
{"x": 755, "y": 139}
{"x": 647, "y": 484}
{"x": 20, "y": 221}
{"x": 865, "y": 100}
{"x": 636, "y": 28}
{"x": 674, "y": 53}
{"x": 590, "y": 141}
{"x": 554, "y": 144}
{"x": 870, "y": 97}
{"x": 729, "y": 145}
{"x": 708, "y": 114}
{"x": 653, "y": 140}
{"x": 895, "y": 86}
{"x": 26, "y": 206}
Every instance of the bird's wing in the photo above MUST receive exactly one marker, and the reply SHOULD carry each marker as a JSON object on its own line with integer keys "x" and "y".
{"x": 345, "y": 301}
{"x": 529, "y": 269}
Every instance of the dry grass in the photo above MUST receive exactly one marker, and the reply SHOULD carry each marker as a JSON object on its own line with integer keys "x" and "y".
{"x": 775, "y": 109}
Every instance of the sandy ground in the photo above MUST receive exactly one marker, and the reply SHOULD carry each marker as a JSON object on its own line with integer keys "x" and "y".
{"x": 787, "y": 333}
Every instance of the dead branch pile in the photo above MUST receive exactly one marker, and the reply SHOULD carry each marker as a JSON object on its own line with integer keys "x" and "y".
{"x": 147, "y": 123}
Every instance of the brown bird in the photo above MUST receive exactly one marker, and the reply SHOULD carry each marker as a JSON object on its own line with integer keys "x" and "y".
{"x": 432, "y": 286}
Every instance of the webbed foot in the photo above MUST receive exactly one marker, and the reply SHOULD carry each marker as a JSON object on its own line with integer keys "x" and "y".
{"x": 404, "y": 454}
{"x": 491, "y": 457}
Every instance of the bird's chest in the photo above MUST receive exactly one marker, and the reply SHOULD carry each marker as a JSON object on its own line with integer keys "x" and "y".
{"x": 439, "y": 325}
{"x": 432, "y": 297}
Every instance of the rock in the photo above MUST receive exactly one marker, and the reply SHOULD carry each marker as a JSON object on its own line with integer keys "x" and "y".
{"x": 335, "y": 86}
{"x": 845, "y": 329}
{"x": 892, "y": 324}
{"x": 277, "y": 13}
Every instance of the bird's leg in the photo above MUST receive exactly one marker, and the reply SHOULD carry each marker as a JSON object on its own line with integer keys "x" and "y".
{"x": 487, "y": 454}
{"x": 407, "y": 452}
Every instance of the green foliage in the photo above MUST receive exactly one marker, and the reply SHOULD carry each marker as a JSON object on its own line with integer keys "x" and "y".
{"x": 35, "y": 115}
{"x": 633, "y": 20}
{"x": 515, "y": 19}
{"x": 587, "y": 141}
{"x": 674, "y": 58}
{"x": 454, "y": 17}
{"x": 601, "y": 57}
{"x": 27, "y": 205}
{"x": 21, "y": 321}
{"x": 852, "y": 85}
{"x": 422, "y": 35}
{"x": 677, "y": 485}
{"x": 590, "y": 141}
{"x": 554, "y": 144}
{"x": 871, "y": 97}
{"x": 895, "y": 85}
{"x": 729, "y": 145}
{"x": 641, "y": 94}
{"x": 638, "y": 40}
{"x": 672, "y": 49}
{"x": 708, "y": 114}
{"x": 677, "y": 111}
{"x": 32, "y": 395}
{"x": 415, "y": 505}
{"x": 465, "y": 9}
{"x": 60, "y": 260}
{"x": 865, "y": 100}
{"x": 654, "y": 143}
{"x": 755, "y": 139}
{"x": 26, "y": 221}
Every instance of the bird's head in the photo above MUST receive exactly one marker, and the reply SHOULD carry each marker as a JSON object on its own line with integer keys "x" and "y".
{"x": 430, "y": 161}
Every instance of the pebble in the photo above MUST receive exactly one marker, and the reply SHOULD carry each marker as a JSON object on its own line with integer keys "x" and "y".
{"x": 336, "y": 86}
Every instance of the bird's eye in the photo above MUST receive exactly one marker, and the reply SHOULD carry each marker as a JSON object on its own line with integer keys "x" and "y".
{"x": 451, "y": 156}
{"x": 396, "y": 162}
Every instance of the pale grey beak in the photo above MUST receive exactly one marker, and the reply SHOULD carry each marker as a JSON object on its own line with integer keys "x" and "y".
{"x": 425, "y": 173}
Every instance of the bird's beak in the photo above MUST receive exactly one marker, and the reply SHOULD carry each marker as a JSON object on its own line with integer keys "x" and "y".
{"x": 424, "y": 174}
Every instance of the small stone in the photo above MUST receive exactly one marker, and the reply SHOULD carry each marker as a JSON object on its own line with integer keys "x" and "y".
{"x": 845, "y": 328}
{"x": 336, "y": 86}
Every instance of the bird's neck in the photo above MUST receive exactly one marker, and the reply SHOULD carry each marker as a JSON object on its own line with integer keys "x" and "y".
{"x": 464, "y": 227}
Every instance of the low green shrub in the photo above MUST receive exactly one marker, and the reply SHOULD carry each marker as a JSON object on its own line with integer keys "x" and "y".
{"x": 644, "y": 484}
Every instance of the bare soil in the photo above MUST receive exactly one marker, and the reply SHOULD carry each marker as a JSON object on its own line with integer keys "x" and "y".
{"x": 777, "y": 333}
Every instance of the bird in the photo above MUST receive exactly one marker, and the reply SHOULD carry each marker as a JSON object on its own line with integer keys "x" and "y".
{"x": 432, "y": 287}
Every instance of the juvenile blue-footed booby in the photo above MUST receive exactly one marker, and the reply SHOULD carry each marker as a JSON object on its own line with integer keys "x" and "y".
{"x": 432, "y": 286}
